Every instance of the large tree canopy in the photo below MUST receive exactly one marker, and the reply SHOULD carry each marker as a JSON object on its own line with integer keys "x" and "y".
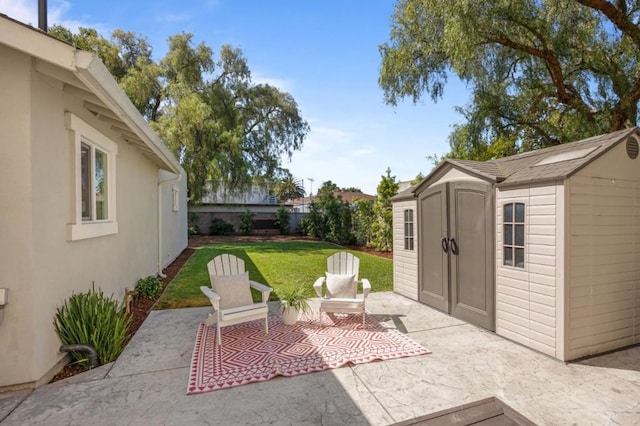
{"x": 223, "y": 128}
{"x": 541, "y": 72}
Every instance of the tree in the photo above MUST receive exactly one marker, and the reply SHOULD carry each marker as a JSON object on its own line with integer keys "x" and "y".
{"x": 352, "y": 189}
{"x": 382, "y": 227}
{"x": 541, "y": 72}
{"x": 330, "y": 217}
{"x": 283, "y": 216}
{"x": 220, "y": 125}
{"x": 419, "y": 178}
{"x": 363, "y": 222}
{"x": 288, "y": 188}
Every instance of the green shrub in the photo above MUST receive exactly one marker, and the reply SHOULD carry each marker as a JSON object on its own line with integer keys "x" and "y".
{"x": 149, "y": 287}
{"x": 193, "y": 224}
{"x": 283, "y": 216}
{"x": 93, "y": 319}
{"x": 246, "y": 222}
{"x": 220, "y": 227}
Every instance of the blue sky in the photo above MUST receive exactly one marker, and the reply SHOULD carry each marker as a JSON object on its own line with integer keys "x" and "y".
{"x": 323, "y": 52}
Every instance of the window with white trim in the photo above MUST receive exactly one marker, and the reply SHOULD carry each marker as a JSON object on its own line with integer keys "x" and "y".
{"x": 513, "y": 227}
{"x": 94, "y": 212}
{"x": 176, "y": 199}
{"x": 408, "y": 229}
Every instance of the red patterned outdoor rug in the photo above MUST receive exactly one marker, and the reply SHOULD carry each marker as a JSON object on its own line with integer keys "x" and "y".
{"x": 249, "y": 355}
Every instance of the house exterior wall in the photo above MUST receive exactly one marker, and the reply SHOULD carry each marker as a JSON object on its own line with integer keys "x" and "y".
{"x": 528, "y": 300}
{"x": 174, "y": 234}
{"x": 405, "y": 262}
{"x": 17, "y": 329}
{"x": 37, "y": 208}
{"x": 603, "y": 298}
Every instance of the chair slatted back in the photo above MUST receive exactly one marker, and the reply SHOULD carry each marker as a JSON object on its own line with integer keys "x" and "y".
{"x": 343, "y": 263}
{"x": 225, "y": 264}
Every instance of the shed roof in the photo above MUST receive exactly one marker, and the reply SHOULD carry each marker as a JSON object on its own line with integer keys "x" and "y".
{"x": 542, "y": 165}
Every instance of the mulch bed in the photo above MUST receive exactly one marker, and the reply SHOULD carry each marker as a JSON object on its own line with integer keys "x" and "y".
{"x": 141, "y": 307}
{"x": 139, "y": 311}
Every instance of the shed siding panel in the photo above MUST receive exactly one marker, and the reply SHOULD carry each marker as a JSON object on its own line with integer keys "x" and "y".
{"x": 405, "y": 262}
{"x": 526, "y": 309}
{"x": 603, "y": 303}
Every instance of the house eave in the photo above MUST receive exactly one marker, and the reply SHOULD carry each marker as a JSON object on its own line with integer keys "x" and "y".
{"x": 94, "y": 75}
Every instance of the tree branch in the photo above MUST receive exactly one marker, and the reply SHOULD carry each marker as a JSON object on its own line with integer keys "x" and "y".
{"x": 617, "y": 15}
{"x": 566, "y": 93}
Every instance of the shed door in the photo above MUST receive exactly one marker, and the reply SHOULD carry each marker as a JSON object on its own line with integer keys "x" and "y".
{"x": 472, "y": 253}
{"x": 434, "y": 263}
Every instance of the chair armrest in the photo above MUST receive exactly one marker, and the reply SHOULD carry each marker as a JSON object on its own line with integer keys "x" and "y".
{"x": 214, "y": 297}
{"x": 264, "y": 289}
{"x": 366, "y": 287}
{"x": 318, "y": 286}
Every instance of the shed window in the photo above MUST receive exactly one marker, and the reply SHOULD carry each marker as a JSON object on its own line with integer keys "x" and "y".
{"x": 513, "y": 248}
{"x": 408, "y": 229}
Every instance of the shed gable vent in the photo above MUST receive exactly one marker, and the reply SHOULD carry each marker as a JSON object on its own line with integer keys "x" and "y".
{"x": 567, "y": 156}
{"x": 632, "y": 148}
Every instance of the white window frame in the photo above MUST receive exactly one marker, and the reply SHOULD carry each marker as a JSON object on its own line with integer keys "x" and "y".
{"x": 175, "y": 192}
{"x": 513, "y": 247}
{"x": 409, "y": 230}
{"x": 83, "y": 133}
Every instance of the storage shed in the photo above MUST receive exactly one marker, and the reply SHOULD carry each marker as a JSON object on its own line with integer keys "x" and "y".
{"x": 541, "y": 247}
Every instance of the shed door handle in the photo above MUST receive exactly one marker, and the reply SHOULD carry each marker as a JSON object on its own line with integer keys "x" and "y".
{"x": 454, "y": 246}
{"x": 445, "y": 244}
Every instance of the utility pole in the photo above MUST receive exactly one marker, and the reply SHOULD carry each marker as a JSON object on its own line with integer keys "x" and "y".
{"x": 311, "y": 186}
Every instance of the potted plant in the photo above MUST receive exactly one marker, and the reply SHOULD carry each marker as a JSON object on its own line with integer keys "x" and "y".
{"x": 292, "y": 302}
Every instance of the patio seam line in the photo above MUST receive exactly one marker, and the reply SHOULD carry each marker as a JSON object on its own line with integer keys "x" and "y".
{"x": 16, "y": 406}
{"x": 143, "y": 373}
{"x": 434, "y": 328}
{"x": 364, "y": 383}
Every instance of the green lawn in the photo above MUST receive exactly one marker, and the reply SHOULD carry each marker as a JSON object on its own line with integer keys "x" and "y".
{"x": 276, "y": 264}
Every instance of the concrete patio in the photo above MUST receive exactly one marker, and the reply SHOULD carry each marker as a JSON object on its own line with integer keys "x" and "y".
{"x": 147, "y": 385}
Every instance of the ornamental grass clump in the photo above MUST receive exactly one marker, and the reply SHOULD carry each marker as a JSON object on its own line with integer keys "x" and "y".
{"x": 93, "y": 319}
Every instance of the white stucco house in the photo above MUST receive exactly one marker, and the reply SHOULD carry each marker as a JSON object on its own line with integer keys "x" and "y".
{"x": 89, "y": 195}
{"x": 542, "y": 247}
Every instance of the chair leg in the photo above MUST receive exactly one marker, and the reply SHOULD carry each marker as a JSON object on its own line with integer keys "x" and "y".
{"x": 320, "y": 311}
{"x": 219, "y": 335}
{"x": 363, "y": 318}
{"x": 266, "y": 325}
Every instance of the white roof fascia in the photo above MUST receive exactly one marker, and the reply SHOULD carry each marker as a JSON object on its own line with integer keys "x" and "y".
{"x": 93, "y": 73}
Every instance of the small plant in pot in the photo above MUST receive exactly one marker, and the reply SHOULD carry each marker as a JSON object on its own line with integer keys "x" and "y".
{"x": 292, "y": 303}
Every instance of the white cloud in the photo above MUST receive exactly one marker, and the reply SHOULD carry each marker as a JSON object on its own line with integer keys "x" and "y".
{"x": 174, "y": 17}
{"x": 26, "y": 11}
{"x": 363, "y": 152}
{"x": 282, "y": 84}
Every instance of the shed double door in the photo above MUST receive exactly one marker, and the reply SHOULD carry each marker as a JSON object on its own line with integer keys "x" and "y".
{"x": 457, "y": 251}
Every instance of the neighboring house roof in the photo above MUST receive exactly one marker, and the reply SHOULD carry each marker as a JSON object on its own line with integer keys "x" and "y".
{"x": 85, "y": 76}
{"x": 542, "y": 165}
{"x": 347, "y": 196}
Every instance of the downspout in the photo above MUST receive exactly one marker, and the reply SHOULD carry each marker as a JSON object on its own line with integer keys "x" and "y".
{"x": 93, "y": 354}
{"x": 160, "y": 183}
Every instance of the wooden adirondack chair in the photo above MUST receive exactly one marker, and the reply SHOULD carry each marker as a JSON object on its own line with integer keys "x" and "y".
{"x": 341, "y": 284}
{"x": 230, "y": 294}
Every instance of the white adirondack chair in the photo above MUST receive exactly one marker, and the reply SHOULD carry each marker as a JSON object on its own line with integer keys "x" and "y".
{"x": 341, "y": 284}
{"x": 230, "y": 294}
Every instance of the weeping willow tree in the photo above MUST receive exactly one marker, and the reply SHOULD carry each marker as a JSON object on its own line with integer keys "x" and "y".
{"x": 540, "y": 72}
{"x": 224, "y": 129}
